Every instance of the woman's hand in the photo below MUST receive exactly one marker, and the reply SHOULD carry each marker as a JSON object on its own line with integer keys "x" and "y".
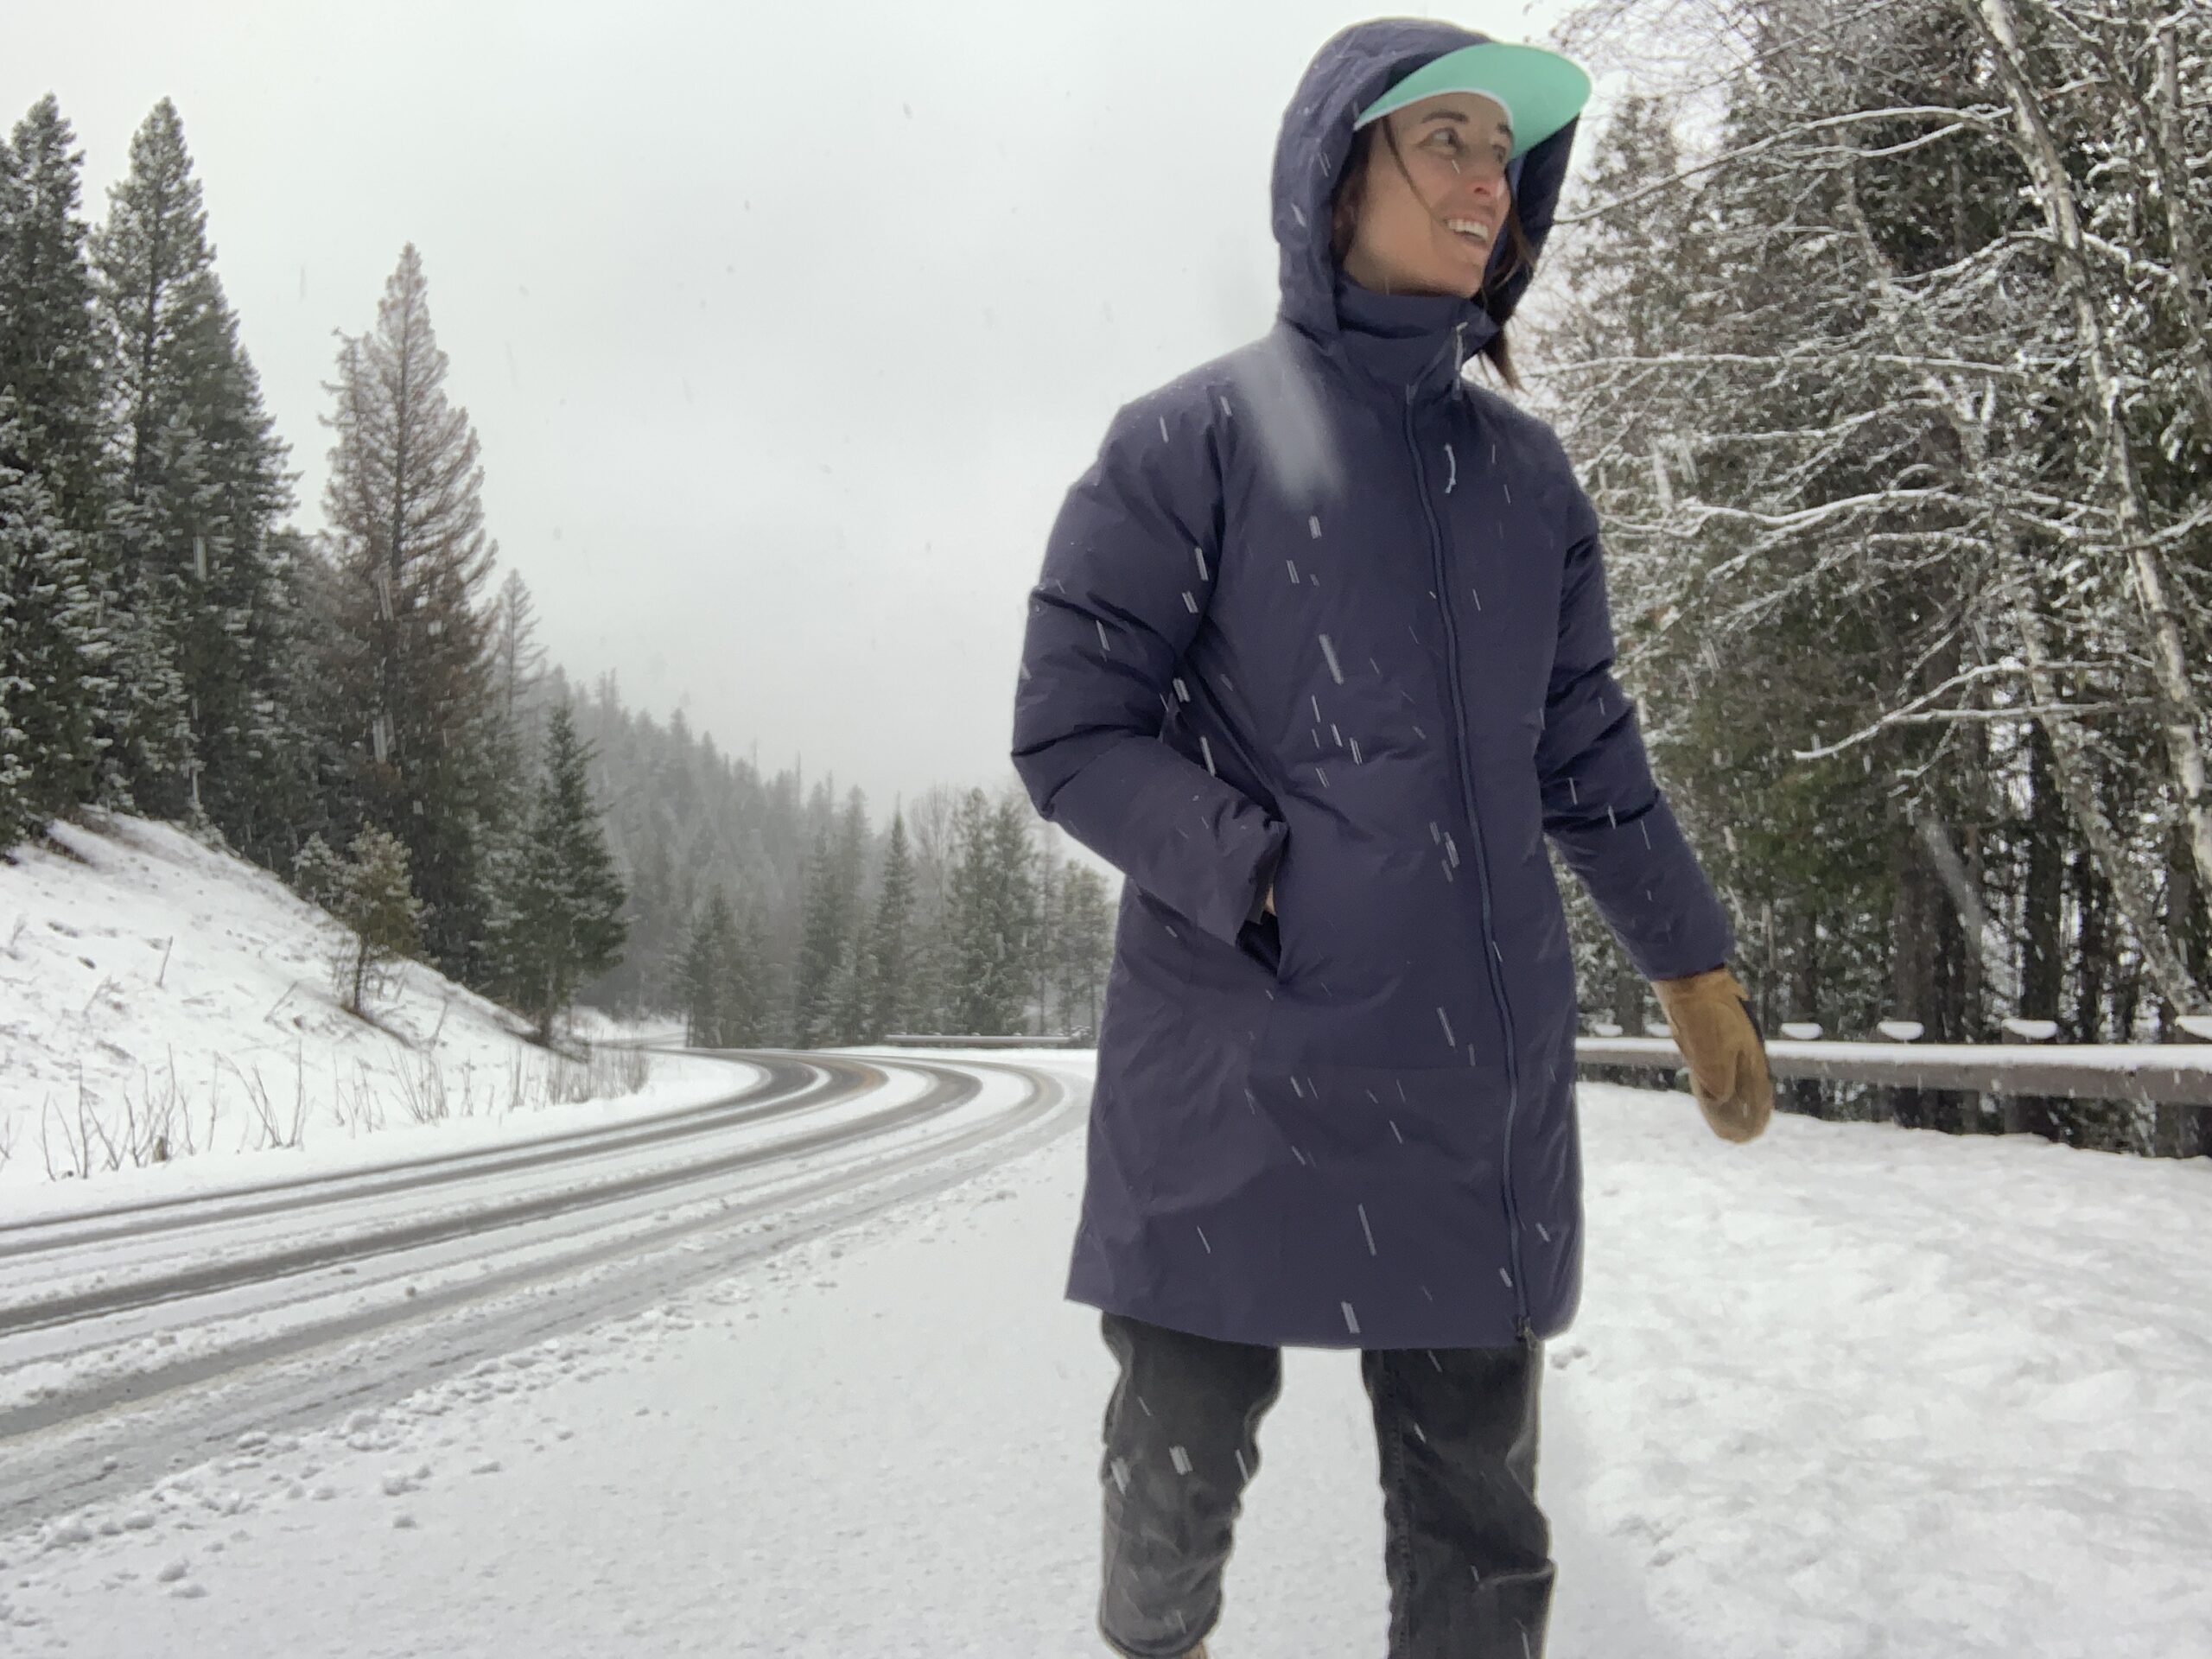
{"x": 1711, "y": 1018}
{"x": 1270, "y": 905}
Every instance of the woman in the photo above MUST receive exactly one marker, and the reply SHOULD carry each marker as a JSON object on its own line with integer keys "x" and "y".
{"x": 1319, "y": 659}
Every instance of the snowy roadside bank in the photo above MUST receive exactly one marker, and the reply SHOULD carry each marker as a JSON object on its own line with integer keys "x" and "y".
{"x": 1850, "y": 1390}
{"x": 167, "y": 1022}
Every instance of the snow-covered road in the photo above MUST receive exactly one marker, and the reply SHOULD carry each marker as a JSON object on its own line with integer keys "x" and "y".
{"x": 150, "y": 1316}
{"x": 1849, "y": 1391}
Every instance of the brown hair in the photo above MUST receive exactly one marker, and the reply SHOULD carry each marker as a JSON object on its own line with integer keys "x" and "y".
{"x": 1344, "y": 219}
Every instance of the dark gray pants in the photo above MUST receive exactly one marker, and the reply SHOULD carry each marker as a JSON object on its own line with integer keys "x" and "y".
{"x": 1466, "y": 1550}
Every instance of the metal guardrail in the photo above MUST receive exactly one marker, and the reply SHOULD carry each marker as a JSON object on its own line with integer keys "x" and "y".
{"x": 954, "y": 1040}
{"x": 2170, "y": 1074}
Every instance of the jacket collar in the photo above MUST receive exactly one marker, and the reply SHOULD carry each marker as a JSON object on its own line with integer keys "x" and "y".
{"x": 1411, "y": 345}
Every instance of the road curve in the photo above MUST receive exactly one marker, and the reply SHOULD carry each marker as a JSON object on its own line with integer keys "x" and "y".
{"x": 384, "y": 1338}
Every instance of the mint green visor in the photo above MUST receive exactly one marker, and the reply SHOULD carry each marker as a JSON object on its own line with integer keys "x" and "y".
{"x": 1541, "y": 91}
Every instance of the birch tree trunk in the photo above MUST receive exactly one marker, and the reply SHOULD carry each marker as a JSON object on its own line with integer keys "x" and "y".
{"x": 2182, "y": 721}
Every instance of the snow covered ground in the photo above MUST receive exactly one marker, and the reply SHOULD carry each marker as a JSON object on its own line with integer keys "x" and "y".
{"x": 1848, "y": 1391}
{"x": 152, "y": 990}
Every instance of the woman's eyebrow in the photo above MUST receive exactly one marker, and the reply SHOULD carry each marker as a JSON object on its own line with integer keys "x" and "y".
{"x": 1504, "y": 128}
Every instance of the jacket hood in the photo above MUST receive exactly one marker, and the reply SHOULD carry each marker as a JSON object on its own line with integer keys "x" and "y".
{"x": 1355, "y": 67}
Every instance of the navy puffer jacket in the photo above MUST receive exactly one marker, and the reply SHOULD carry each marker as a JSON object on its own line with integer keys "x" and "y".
{"x": 1326, "y": 612}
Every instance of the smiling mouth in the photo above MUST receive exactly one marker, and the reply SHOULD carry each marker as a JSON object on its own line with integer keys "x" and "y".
{"x": 1473, "y": 232}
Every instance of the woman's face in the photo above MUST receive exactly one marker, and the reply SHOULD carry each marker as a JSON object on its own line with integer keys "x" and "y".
{"x": 1434, "y": 199}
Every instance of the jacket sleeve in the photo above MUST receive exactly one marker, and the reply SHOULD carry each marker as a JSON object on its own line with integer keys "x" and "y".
{"x": 1602, "y": 808}
{"x": 1126, "y": 576}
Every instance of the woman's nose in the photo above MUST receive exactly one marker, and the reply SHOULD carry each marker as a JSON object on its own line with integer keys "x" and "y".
{"x": 1485, "y": 176}
{"x": 1486, "y": 186}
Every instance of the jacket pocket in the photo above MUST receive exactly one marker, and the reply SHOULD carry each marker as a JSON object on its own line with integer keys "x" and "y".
{"x": 1262, "y": 941}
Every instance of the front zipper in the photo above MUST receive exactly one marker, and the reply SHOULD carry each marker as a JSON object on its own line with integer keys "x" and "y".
{"x": 1482, "y": 864}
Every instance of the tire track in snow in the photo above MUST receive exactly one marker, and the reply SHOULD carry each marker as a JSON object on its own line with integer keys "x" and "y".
{"x": 63, "y": 1452}
{"x": 44, "y": 1313}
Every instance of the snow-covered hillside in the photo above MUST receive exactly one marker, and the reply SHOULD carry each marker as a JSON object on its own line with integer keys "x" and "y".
{"x": 165, "y": 1008}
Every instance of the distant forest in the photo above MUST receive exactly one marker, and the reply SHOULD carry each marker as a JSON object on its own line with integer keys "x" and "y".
{"x": 366, "y": 712}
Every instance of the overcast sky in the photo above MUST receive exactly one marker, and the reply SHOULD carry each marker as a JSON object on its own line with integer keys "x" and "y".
{"x": 784, "y": 328}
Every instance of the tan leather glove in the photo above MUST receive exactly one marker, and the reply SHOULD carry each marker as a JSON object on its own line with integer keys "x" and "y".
{"x": 1710, "y": 1018}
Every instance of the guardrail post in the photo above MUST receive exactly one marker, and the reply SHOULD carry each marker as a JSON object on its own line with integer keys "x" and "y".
{"x": 2031, "y": 1114}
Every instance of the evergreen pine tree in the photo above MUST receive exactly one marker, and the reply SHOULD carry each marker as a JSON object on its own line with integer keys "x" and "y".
{"x": 51, "y": 449}
{"x": 49, "y": 647}
{"x": 744, "y": 1011}
{"x": 371, "y": 895}
{"x": 1014, "y": 861}
{"x": 202, "y": 485}
{"x": 1046, "y": 947}
{"x": 828, "y": 991}
{"x": 891, "y": 1010}
{"x": 705, "y": 973}
{"x": 409, "y": 659}
{"x": 854, "y": 1002}
{"x": 510, "y": 734}
{"x": 48, "y": 343}
{"x": 821, "y": 944}
{"x": 991, "y": 914}
{"x": 562, "y": 921}
{"x": 1083, "y": 942}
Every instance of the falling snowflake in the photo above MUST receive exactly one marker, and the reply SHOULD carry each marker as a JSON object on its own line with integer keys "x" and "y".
{"x": 1336, "y": 670}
